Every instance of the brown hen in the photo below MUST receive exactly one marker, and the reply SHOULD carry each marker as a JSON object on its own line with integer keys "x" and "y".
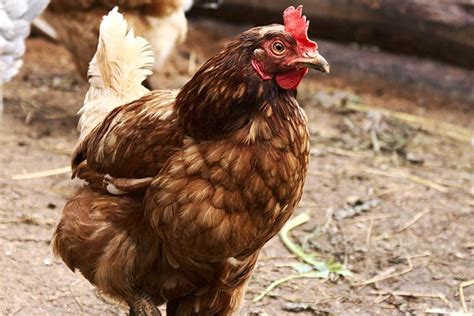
{"x": 208, "y": 174}
{"x": 76, "y": 22}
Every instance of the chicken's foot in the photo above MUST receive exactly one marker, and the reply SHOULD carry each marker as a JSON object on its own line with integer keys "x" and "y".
{"x": 143, "y": 305}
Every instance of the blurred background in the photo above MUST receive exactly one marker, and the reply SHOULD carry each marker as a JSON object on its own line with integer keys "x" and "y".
{"x": 385, "y": 226}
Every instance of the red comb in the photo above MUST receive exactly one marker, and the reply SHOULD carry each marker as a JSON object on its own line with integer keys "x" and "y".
{"x": 297, "y": 25}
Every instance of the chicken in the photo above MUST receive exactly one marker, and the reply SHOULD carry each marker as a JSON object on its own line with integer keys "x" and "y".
{"x": 206, "y": 175}
{"x": 16, "y": 17}
{"x": 161, "y": 22}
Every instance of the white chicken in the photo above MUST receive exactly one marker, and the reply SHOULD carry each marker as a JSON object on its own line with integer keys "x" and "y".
{"x": 16, "y": 17}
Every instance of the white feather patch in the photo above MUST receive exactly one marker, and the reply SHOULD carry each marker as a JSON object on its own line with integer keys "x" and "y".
{"x": 116, "y": 72}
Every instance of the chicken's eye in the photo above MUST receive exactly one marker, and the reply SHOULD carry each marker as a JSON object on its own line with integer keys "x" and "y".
{"x": 278, "y": 48}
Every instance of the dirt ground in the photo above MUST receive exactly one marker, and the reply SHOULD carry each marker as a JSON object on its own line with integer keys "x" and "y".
{"x": 401, "y": 219}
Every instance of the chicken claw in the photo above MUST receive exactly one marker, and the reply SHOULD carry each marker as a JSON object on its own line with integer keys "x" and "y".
{"x": 143, "y": 305}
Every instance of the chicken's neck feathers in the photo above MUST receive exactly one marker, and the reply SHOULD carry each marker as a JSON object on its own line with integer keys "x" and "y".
{"x": 226, "y": 94}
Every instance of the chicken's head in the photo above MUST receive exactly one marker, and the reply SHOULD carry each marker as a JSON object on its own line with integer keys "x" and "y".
{"x": 284, "y": 52}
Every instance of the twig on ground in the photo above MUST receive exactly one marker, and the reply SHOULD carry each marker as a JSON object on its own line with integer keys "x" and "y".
{"x": 453, "y": 185}
{"x": 78, "y": 303}
{"x": 421, "y": 255}
{"x": 41, "y": 174}
{"x": 440, "y": 311}
{"x": 59, "y": 296}
{"x": 401, "y": 174}
{"x": 381, "y": 298}
{"x": 349, "y": 153}
{"x": 382, "y": 276}
{"x": 263, "y": 258}
{"x": 411, "y": 222}
{"x": 16, "y": 311}
{"x": 276, "y": 283}
{"x": 369, "y": 218}
{"x": 368, "y": 239}
{"x": 387, "y": 192}
{"x": 411, "y": 294}
{"x": 329, "y": 218}
{"x": 461, "y": 293}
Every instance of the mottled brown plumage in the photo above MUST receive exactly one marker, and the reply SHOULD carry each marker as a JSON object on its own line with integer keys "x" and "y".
{"x": 228, "y": 155}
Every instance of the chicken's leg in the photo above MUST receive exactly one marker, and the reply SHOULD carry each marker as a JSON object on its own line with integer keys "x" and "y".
{"x": 143, "y": 305}
{"x": 213, "y": 303}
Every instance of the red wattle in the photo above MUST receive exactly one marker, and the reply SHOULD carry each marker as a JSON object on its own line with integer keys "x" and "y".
{"x": 291, "y": 80}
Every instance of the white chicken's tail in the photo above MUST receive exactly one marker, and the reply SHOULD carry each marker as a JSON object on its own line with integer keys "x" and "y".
{"x": 120, "y": 65}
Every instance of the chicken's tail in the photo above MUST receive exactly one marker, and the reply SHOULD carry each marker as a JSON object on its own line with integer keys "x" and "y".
{"x": 116, "y": 72}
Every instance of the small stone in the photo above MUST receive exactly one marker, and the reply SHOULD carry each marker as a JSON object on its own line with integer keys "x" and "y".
{"x": 460, "y": 255}
{"x": 353, "y": 200}
{"x": 47, "y": 262}
{"x": 414, "y": 158}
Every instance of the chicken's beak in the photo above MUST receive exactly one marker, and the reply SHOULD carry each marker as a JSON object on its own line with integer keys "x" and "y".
{"x": 316, "y": 61}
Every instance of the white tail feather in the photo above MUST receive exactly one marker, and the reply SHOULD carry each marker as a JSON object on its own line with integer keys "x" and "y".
{"x": 116, "y": 72}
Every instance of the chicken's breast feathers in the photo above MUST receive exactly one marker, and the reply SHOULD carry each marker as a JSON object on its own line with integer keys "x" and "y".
{"x": 225, "y": 198}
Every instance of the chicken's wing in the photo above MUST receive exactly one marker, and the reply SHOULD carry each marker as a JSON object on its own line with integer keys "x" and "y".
{"x": 146, "y": 128}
